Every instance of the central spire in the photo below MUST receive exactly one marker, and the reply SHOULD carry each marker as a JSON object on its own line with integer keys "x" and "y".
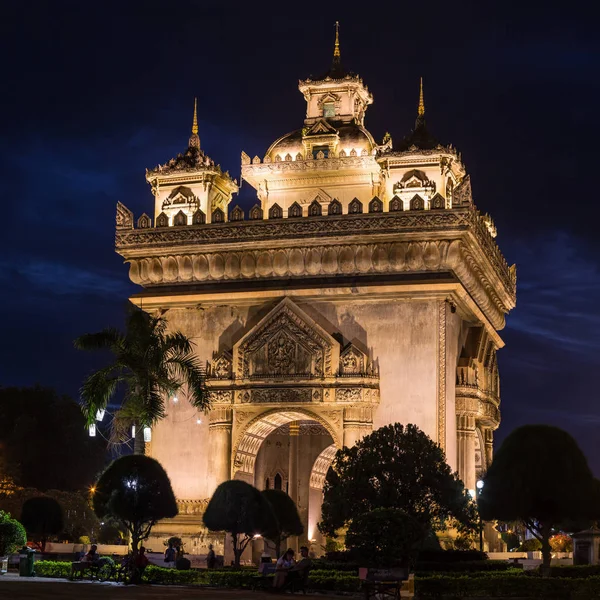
{"x": 195, "y": 138}
{"x": 420, "y": 122}
{"x": 336, "y": 48}
{"x": 195, "y": 120}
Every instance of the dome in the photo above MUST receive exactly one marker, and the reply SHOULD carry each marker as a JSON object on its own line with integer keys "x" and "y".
{"x": 350, "y": 137}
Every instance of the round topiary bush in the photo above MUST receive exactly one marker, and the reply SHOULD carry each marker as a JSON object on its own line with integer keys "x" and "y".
{"x": 12, "y": 534}
{"x": 384, "y": 537}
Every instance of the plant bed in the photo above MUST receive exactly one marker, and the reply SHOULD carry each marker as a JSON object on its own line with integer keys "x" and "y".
{"x": 502, "y": 585}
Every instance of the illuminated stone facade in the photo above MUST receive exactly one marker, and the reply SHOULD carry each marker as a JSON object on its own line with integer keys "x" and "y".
{"x": 363, "y": 288}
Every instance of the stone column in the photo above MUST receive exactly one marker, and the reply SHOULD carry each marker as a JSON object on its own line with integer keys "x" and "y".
{"x": 219, "y": 447}
{"x": 293, "y": 473}
{"x": 358, "y": 422}
{"x": 465, "y": 441}
{"x": 488, "y": 441}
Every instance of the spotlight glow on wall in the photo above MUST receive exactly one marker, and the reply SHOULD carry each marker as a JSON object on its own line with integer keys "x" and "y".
{"x": 175, "y": 399}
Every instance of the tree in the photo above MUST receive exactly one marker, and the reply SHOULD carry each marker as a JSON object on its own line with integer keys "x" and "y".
{"x": 241, "y": 510}
{"x": 394, "y": 467}
{"x": 150, "y": 365}
{"x": 43, "y": 443}
{"x": 42, "y": 517}
{"x": 78, "y": 517}
{"x": 540, "y": 477}
{"x": 286, "y": 522}
{"x": 384, "y": 537}
{"x": 12, "y": 534}
{"x": 135, "y": 491}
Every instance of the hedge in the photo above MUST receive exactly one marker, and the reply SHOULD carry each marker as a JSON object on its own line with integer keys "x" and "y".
{"x": 446, "y": 556}
{"x": 319, "y": 579}
{"x": 575, "y": 571}
{"x": 335, "y": 565}
{"x": 507, "y": 586}
{"x": 462, "y": 567}
{"x": 52, "y": 568}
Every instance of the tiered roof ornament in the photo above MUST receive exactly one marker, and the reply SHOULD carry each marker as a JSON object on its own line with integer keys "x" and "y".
{"x": 195, "y": 138}
{"x": 192, "y": 159}
{"x": 419, "y": 138}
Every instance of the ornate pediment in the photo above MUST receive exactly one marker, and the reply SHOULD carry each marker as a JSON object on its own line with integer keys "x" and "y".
{"x": 287, "y": 342}
{"x": 321, "y": 127}
{"x": 180, "y": 195}
{"x": 353, "y": 361}
{"x": 222, "y": 366}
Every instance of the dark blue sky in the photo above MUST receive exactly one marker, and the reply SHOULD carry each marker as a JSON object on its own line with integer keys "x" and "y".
{"x": 94, "y": 93}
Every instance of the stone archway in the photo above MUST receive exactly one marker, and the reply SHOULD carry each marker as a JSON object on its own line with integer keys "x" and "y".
{"x": 290, "y": 443}
{"x": 250, "y": 439}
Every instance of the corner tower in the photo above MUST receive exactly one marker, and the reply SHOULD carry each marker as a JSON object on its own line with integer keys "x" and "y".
{"x": 190, "y": 187}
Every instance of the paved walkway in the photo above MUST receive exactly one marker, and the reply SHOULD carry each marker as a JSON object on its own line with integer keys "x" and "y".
{"x": 25, "y": 588}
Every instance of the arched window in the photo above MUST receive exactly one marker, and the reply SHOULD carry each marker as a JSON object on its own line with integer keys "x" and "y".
{"x": 267, "y": 484}
{"x": 277, "y": 484}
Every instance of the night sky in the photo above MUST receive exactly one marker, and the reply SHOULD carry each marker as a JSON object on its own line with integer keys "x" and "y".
{"x": 93, "y": 93}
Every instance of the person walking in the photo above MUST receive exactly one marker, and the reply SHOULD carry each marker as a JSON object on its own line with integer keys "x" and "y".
{"x": 211, "y": 557}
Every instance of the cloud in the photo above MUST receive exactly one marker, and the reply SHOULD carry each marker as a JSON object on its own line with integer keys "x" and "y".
{"x": 61, "y": 279}
{"x": 558, "y": 294}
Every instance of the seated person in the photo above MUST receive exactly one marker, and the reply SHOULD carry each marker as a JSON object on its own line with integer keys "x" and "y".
{"x": 92, "y": 555}
{"x": 298, "y": 570}
{"x": 141, "y": 560}
{"x": 282, "y": 567}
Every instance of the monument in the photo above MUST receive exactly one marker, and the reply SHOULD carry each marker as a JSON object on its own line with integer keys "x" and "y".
{"x": 363, "y": 288}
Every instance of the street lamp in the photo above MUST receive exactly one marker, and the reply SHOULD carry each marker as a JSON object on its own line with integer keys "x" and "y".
{"x": 479, "y": 487}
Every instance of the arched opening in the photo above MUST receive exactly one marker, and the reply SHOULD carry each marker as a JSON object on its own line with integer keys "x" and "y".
{"x": 278, "y": 482}
{"x": 288, "y": 449}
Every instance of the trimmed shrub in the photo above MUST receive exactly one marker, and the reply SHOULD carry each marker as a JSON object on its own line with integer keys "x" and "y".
{"x": 339, "y": 581}
{"x": 575, "y": 571}
{"x": 531, "y": 545}
{"x": 162, "y": 576}
{"x": 52, "y": 568}
{"x": 446, "y": 556}
{"x": 323, "y": 564}
{"x": 507, "y": 586}
{"x": 463, "y": 567}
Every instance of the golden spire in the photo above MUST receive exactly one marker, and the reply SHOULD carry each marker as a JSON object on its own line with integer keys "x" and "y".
{"x": 336, "y": 48}
{"x": 421, "y": 110}
{"x": 195, "y": 121}
{"x": 195, "y": 138}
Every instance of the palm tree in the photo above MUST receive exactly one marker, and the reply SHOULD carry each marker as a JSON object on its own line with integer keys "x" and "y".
{"x": 150, "y": 365}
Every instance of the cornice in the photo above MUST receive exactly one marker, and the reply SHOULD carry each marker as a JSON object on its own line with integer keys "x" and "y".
{"x": 323, "y": 164}
{"x": 374, "y": 245}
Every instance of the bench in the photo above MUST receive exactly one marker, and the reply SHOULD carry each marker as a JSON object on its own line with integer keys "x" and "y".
{"x": 264, "y": 580}
{"x": 298, "y": 582}
{"x": 383, "y": 583}
{"x": 81, "y": 568}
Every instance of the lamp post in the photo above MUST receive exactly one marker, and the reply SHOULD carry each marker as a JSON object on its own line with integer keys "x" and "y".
{"x": 479, "y": 487}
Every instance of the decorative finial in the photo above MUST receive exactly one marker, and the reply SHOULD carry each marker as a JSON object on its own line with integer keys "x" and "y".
{"x": 195, "y": 138}
{"x": 336, "y": 48}
{"x": 421, "y": 110}
{"x": 195, "y": 121}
